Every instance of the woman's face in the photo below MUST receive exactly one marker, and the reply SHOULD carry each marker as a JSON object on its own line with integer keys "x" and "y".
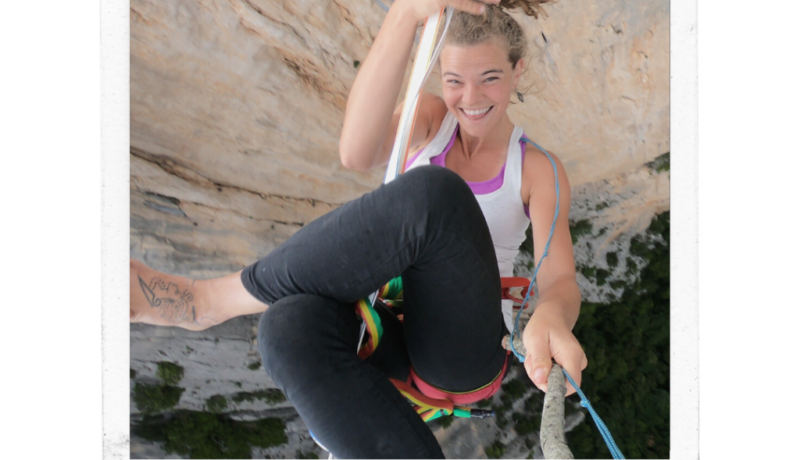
{"x": 477, "y": 82}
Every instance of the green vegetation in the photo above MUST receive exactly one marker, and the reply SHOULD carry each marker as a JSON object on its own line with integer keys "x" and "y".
{"x": 444, "y": 421}
{"x": 169, "y": 373}
{"x": 527, "y": 246}
{"x": 602, "y": 274}
{"x": 631, "y": 267}
{"x": 217, "y": 403}
{"x": 300, "y": 454}
{"x": 529, "y": 443}
{"x": 525, "y": 423}
{"x": 150, "y": 399}
{"x": 580, "y": 228}
{"x": 499, "y": 417}
{"x": 599, "y": 275}
{"x": 254, "y": 366}
{"x": 133, "y": 374}
{"x": 612, "y": 259}
{"x": 205, "y": 435}
{"x": 660, "y": 164}
{"x": 511, "y": 391}
{"x": 616, "y": 284}
{"x": 534, "y": 403}
{"x": 627, "y": 343}
{"x": 496, "y": 450}
{"x": 271, "y": 396}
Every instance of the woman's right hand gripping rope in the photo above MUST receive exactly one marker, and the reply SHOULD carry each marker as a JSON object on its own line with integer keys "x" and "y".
{"x": 547, "y": 338}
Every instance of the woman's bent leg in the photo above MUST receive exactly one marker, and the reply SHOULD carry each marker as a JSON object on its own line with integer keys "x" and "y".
{"x": 352, "y": 251}
{"x": 308, "y": 346}
{"x": 427, "y": 226}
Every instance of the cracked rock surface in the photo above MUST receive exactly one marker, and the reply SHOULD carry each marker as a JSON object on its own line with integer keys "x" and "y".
{"x": 236, "y": 113}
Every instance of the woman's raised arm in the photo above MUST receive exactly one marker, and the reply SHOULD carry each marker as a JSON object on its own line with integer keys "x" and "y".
{"x": 371, "y": 119}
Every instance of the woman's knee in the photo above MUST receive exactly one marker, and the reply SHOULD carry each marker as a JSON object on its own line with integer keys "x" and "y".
{"x": 435, "y": 181}
{"x": 279, "y": 331}
{"x": 298, "y": 329}
{"x": 437, "y": 189}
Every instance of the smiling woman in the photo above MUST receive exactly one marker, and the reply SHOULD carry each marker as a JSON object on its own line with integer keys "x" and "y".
{"x": 450, "y": 227}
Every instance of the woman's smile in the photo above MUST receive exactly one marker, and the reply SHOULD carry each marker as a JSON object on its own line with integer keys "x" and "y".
{"x": 475, "y": 115}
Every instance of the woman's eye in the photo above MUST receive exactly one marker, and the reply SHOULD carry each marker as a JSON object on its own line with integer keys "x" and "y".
{"x": 491, "y": 79}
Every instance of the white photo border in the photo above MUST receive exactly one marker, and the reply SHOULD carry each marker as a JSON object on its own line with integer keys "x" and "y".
{"x": 115, "y": 222}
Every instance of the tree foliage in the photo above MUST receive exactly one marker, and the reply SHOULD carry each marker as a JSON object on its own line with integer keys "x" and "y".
{"x": 627, "y": 342}
{"x": 204, "y": 435}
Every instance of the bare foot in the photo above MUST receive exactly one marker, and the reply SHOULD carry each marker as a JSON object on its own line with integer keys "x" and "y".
{"x": 167, "y": 300}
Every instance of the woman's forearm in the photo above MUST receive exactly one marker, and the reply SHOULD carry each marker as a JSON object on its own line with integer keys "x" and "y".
{"x": 373, "y": 95}
{"x": 561, "y": 299}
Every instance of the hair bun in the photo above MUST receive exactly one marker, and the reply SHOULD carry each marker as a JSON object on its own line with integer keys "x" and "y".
{"x": 529, "y": 7}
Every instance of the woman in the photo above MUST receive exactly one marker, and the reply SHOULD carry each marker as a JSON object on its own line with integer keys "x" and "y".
{"x": 450, "y": 231}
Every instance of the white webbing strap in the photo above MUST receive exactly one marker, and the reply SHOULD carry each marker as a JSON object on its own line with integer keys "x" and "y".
{"x": 423, "y": 64}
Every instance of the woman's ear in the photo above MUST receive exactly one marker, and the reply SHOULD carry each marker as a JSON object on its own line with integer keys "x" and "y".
{"x": 518, "y": 71}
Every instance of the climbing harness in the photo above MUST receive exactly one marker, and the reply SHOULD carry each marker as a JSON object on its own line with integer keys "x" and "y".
{"x": 430, "y": 402}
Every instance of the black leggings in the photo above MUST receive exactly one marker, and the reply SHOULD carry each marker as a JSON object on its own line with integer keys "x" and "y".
{"x": 427, "y": 226}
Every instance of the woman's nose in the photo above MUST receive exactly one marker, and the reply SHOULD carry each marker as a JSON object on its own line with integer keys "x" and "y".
{"x": 472, "y": 94}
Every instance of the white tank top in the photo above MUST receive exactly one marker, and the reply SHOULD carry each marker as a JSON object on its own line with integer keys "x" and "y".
{"x": 503, "y": 208}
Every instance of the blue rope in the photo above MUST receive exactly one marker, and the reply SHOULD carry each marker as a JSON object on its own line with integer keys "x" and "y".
{"x": 612, "y": 446}
{"x": 546, "y": 249}
{"x": 383, "y": 7}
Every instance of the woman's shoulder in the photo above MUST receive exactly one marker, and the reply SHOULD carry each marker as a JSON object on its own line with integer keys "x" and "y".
{"x": 433, "y": 104}
{"x": 537, "y": 156}
{"x": 537, "y": 170}
{"x": 433, "y": 108}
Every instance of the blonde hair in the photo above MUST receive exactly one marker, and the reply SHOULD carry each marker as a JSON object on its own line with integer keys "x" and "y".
{"x": 469, "y": 29}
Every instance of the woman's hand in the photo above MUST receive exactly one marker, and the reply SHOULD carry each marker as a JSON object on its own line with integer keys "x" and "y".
{"x": 547, "y": 336}
{"x": 421, "y": 9}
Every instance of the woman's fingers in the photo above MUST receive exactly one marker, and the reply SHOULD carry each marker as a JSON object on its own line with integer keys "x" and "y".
{"x": 573, "y": 361}
{"x": 424, "y": 8}
{"x": 546, "y": 340}
{"x": 537, "y": 361}
{"x": 471, "y": 6}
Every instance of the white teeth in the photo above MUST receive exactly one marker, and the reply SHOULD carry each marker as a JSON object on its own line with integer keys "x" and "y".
{"x": 474, "y": 113}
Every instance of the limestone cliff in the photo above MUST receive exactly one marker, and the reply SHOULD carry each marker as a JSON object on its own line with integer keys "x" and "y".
{"x": 236, "y": 111}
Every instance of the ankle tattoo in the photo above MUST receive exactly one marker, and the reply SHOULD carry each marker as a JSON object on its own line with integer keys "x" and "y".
{"x": 174, "y": 305}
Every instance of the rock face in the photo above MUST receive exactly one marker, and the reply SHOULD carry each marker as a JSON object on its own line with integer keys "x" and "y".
{"x": 237, "y": 107}
{"x": 236, "y": 112}
{"x": 601, "y": 85}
